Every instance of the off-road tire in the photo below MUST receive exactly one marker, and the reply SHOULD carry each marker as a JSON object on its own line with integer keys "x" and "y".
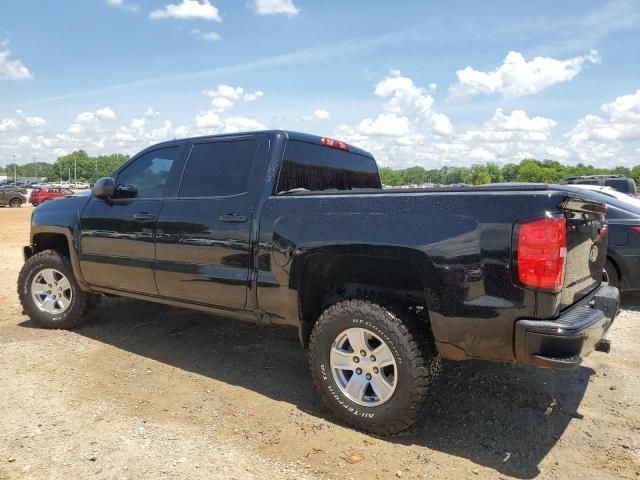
{"x": 81, "y": 302}
{"x": 417, "y": 360}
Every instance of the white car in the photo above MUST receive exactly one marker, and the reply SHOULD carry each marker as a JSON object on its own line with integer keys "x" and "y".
{"x": 612, "y": 192}
{"x": 81, "y": 185}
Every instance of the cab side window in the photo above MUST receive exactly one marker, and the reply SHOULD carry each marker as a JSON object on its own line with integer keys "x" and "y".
{"x": 146, "y": 177}
{"x": 218, "y": 169}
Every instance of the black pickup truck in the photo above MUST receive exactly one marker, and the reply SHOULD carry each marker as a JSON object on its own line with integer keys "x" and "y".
{"x": 286, "y": 228}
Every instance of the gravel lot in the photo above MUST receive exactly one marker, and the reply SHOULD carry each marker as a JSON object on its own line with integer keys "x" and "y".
{"x": 148, "y": 391}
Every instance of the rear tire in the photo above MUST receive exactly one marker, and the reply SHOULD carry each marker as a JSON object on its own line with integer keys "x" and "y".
{"x": 610, "y": 274}
{"x": 381, "y": 395}
{"x": 15, "y": 202}
{"x": 49, "y": 292}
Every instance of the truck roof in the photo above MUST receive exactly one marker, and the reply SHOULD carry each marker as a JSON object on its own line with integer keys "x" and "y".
{"x": 289, "y": 134}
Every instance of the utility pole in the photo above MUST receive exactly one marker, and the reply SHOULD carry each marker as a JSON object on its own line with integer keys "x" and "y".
{"x": 15, "y": 175}
{"x": 75, "y": 171}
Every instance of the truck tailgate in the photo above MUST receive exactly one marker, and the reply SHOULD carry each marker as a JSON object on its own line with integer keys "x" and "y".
{"x": 586, "y": 248}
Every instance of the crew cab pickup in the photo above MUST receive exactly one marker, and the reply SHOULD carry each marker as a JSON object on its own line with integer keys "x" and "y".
{"x": 287, "y": 228}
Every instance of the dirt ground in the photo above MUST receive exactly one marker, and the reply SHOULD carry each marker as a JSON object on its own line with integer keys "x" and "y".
{"x": 148, "y": 391}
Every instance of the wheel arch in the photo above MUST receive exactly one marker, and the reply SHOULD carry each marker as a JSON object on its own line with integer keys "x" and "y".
{"x": 623, "y": 281}
{"x": 59, "y": 239}
{"x": 395, "y": 276}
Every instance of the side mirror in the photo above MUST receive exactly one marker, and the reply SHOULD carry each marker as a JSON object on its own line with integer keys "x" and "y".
{"x": 103, "y": 188}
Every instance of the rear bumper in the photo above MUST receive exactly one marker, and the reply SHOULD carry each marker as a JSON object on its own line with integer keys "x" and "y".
{"x": 564, "y": 342}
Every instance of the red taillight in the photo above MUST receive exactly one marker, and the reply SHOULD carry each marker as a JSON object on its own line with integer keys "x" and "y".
{"x": 331, "y": 143}
{"x": 542, "y": 253}
{"x": 636, "y": 229}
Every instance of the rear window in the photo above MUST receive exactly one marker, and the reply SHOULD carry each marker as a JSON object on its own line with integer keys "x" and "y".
{"x": 316, "y": 167}
{"x": 621, "y": 184}
{"x": 587, "y": 182}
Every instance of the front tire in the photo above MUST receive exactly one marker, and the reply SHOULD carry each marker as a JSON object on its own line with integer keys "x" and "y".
{"x": 49, "y": 292}
{"x": 371, "y": 368}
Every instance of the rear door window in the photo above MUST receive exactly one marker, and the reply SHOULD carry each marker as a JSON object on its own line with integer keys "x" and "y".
{"x": 315, "y": 167}
{"x": 218, "y": 169}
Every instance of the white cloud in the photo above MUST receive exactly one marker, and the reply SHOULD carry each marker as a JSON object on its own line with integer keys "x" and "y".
{"x": 625, "y": 108}
{"x": 518, "y": 120}
{"x": 188, "y": 9}
{"x": 35, "y": 122}
{"x": 407, "y": 120}
{"x": 321, "y": 114}
{"x": 250, "y": 97}
{"x": 622, "y": 122}
{"x": 131, "y": 7}
{"x": 8, "y": 124}
{"x": 386, "y": 124}
{"x": 241, "y": 124}
{"x": 517, "y": 77}
{"x": 208, "y": 119}
{"x": 206, "y": 36}
{"x": 138, "y": 123}
{"x": 275, "y": 7}
{"x": 403, "y": 95}
{"x": 181, "y": 132}
{"x": 224, "y": 96}
{"x": 410, "y": 131}
{"x": 105, "y": 113}
{"x": 85, "y": 117}
{"x": 151, "y": 113}
{"x": 482, "y": 155}
{"x": 442, "y": 124}
{"x": 318, "y": 115}
{"x": 11, "y": 69}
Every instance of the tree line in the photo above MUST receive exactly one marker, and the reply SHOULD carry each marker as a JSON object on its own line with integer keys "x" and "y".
{"x": 529, "y": 170}
{"x": 86, "y": 168}
{"x": 78, "y": 165}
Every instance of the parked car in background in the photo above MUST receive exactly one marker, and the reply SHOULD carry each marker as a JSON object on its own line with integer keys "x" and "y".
{"x": 14, "y": 197}
{"x": 618, "y": 182}
{"x": 81, "y": 185}
{"x": 41, "y": 195}
{"x": 622, "y": 268}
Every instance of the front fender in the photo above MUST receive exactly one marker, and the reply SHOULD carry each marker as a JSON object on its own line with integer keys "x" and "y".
{"x": 60, "y": 217}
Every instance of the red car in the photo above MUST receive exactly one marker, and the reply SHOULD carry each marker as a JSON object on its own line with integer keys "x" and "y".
{"x": 41, "y": 195}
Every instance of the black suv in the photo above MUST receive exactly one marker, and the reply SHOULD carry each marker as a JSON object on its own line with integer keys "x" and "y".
{"x": 618, "y": 182}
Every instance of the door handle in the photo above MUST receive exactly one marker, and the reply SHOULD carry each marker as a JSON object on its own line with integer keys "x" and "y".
{"x": 233, "y": 218}
{"x": 144, "y": 217}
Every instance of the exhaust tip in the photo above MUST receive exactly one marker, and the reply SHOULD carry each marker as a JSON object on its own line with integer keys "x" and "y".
{"x": 603, "y": 345}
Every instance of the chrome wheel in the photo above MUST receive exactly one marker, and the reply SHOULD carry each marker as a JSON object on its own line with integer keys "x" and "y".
{"x": 15, "y": 202}
{"x": 51, "y": 291}
{"x": 363, "y": 367}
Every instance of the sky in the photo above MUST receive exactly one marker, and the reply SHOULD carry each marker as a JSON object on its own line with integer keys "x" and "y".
{"x": 415, "y": 82}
